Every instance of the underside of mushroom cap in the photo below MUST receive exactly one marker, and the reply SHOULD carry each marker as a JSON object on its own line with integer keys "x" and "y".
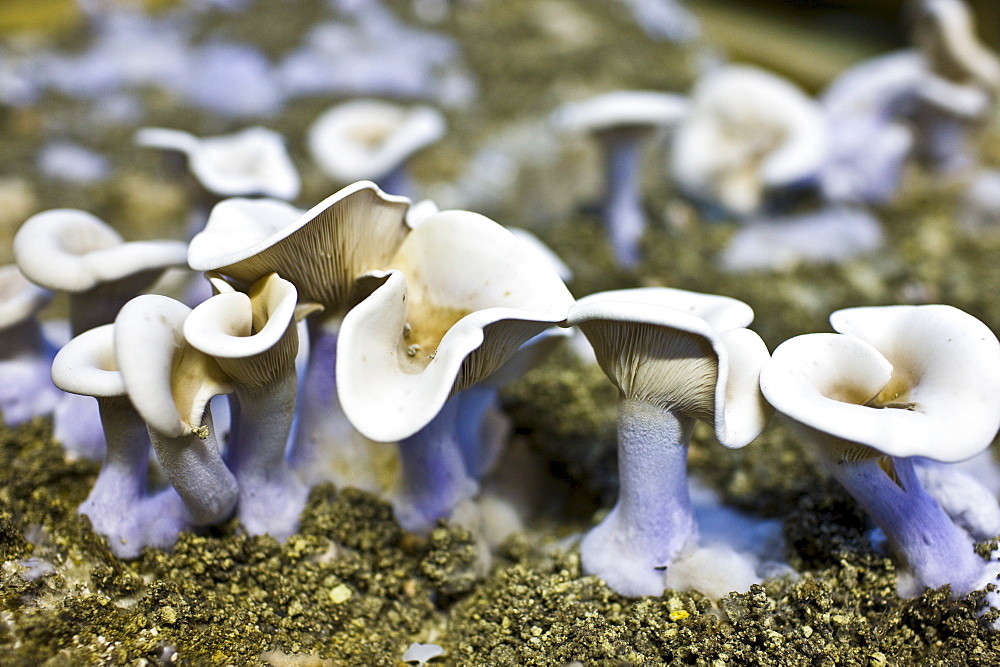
{"x": 169, "y": 382}
{"x": 86, "y": 365}
{"x": 321, "y": 251}
{"x": 458, "y": 303}
{"x": 678, "y": 358}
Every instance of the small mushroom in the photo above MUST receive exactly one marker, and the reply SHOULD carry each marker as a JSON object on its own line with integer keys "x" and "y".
{"x": 254, "y": 339}
{"x": 321, "y": 252}
{"x": 675, "y": 357}
{"x": 253, "y": 161}
{"x": 622, "y": 121}
{"x": 458, "y": 290}
{"x": 26, "y": 388}
{"x": 170, "y": 384}
{"x": 897, "y": 382}
{"x": 68, "y": 250}
{"x": 747, "y": 133}
{"x": 960, "y": 86}
{"x": 372, "y": 140}
{"x": 118, "y": 505}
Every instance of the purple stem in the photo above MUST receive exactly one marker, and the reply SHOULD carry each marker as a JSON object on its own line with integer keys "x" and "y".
{"x": 434, "y": 478}
{"x": 920, "y": 532}
{"x": 652, "y": 520}
{"x": 623, "y": 213}
{"x": 271, "y": 497}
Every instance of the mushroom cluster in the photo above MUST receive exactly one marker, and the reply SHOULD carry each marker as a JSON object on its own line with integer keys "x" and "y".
{"x": 362, "y": 341}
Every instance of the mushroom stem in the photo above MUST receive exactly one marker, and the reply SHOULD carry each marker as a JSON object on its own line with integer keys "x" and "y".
{"x": 652, "y": 520}
{"x": 326, "y": 447}
{"x": 25, "y": 338}
{"x": 123, "y": 473}
{"x": 195, "y": 468}
{"x": 936, "y": 550}
{"x": 622, "y": 207}
{"x": 397, "y": 181}
{"x": 118, "y": 505}
{"x": 434, "y": 478}
{"x": 101, "y": 304}
{"x": 271, "y": 497}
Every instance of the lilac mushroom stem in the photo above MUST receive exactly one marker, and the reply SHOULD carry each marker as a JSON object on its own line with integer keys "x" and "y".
{"x": 622, "y": 207}
{"x": 193, "y": 464}
{"x": 652, "y": 520}
{"x": 920, "y": 532}
{"x": 271, "y": 496}
{"x": 434, "y": 477}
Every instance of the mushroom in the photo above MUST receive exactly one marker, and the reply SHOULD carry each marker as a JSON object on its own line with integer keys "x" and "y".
{"x": 253, "y": 161}
{"x": 373, "y": 140}
{"x": 170, "y": 384}
{"x": 118, "y": 505}
{"x": 72, "y": 251}
{"x": 321, "y": 252}
{"x": 675, "y": 357}
{"x": 871, "y": 139}
{"x": 254, "y": 338}
{"x": 959, "y": 87}
{"x": 457, "y": 302}
{"x": 26, "y": 388}
{"x": 622, "y": 121}
{"x": 747, "y": 132}
{"x": 897, "y": 382}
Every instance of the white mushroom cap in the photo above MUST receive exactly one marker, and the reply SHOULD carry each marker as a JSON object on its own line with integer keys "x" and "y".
{"x": 902, "y": 380}
{"x": 621, "y": 109}
{"x": 368, "y": 139}
{"x": 74, "y": 251}
{"x": 86, "y": 365}
{"x": 253, "y": 337}
{"x": 169, "y": 381}
{"x": 681, "y": 350}
{"x": 747, "y": 130}
{"x": 20, "y": 299}
{"x": 320, "y": 251}
{"x": 253, "y": 161}
{"x": 458, "y": 303}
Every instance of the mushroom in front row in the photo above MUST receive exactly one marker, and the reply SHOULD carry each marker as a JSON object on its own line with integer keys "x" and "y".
{"x": 254, "y": 339}
{"x": 170, "y": 383}
{"x": 321, "y": 252}
{"x": 118, "y": 505}
{"x": 897, "y": 382}
{"x": 457, "y": 302}
{"x": 675, "y": 357}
